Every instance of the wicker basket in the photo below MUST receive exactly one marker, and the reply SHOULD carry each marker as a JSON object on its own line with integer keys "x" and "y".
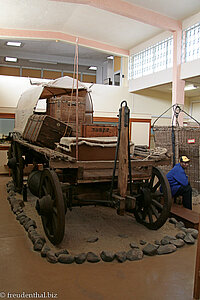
{"x": 187, "y": 142}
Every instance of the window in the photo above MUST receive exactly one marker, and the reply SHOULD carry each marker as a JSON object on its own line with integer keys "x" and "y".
{"x": 153, "y": 59}
{"x": 192, "y": 43}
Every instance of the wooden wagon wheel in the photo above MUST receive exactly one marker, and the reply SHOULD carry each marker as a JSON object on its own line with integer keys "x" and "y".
{"x": 51, "y": 206}
{"x": 154, "y": 201}
{"x": 16, "y": 163}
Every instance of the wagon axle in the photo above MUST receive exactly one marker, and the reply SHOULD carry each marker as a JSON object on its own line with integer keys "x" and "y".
{"x": 12, "y": 162}
{"x": 44, "y": 205}
{"x": 147, "y": 196}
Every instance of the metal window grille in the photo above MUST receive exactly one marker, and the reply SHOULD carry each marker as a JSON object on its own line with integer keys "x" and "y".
{"x": 153, "y": 59}
{"x": 191, "y": 43}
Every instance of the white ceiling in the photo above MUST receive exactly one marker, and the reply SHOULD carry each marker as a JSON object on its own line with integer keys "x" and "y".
{"x": 179, "y": 9}
{"x": 78, "y": 20}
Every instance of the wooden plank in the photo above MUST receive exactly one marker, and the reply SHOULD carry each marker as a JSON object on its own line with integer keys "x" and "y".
{"x": 100, "y": 164}
{"x": 189, "y": 217}
{"x": 48, "y": 153}
{"x": 7, "y": 116}
{"x": 4, "y": 147}
{"x": 92, "y": 165}
{"x": 101, "y": 173}
{"x": 123, "y": 156}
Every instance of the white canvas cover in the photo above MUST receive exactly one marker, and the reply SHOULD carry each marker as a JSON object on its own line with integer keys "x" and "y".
{"x": 65, "y": 82}
{"x": 26, "y": 104}
{"x": 29, "y": 99}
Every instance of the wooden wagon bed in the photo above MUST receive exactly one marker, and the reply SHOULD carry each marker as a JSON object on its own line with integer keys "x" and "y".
{"x": 93, "y": 170}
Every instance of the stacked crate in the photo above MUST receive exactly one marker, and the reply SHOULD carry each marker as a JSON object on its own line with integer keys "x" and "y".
{"x": 44, "y": 130}
{"x": 187, "y": 142}
{"x": 63, "y": 108}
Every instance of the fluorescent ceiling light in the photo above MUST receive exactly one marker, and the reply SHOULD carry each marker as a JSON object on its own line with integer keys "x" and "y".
{"x": 14, "y": 44}
{"x": 11, "y": 59}
{"x": 190, "y": 87}
{"x": 43, "y": 61}
{"x": 93, "y": 68}
{"x": 110, "y": 57}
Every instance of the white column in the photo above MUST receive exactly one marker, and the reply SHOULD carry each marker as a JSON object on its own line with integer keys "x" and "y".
{"x": 178, "y": 85}
{"x": 124, "y": 72}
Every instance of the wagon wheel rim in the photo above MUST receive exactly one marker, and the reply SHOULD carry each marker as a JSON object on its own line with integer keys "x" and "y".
{"x": 18, "y": 170}
{"x": 154, "y": 201}
{"x": 54, "y": 220}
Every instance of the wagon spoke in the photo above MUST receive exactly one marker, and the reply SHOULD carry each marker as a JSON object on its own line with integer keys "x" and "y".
{"x": 151, "y": 181}
{"x": 156, "y": 186}
{"x": 144, "y": 213}
{"x": 45, "y": 190}
{"x": 157, "y": 194}
{"x": 150, "y": 215}
{"x": 141, "y": 212}
{"x": 55, "y": 212}
{"x": 155, "y": 211}
{"x": 157, "y": 204}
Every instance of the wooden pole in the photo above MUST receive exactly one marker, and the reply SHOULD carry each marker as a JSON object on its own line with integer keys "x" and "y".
{"x": 123, "y": 162}
{"x": 196, "y": 293}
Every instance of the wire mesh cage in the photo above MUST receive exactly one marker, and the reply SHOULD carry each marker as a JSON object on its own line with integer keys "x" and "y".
{"x": 186, "y": 142}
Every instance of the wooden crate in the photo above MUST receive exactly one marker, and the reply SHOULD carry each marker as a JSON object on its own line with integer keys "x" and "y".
{"x": 98, "y": 130}
{"x": 89, "y": 149}
{"x": 44, "y": 130}
{"x": 87, "y": 153}
{"x": 63, "y": 108}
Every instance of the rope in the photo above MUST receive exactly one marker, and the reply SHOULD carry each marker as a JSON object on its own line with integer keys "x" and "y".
{"x": 161, "y": 115}
{"x": 157, "y": 153}
{"x": 72, "y": 91}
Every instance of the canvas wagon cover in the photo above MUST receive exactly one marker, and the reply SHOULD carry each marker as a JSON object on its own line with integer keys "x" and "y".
{"x": 29, "y": 99}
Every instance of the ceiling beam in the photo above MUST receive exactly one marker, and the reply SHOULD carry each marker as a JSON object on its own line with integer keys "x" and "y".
{"x": 53, "y": 35}
{"x": 132, "y": 11}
